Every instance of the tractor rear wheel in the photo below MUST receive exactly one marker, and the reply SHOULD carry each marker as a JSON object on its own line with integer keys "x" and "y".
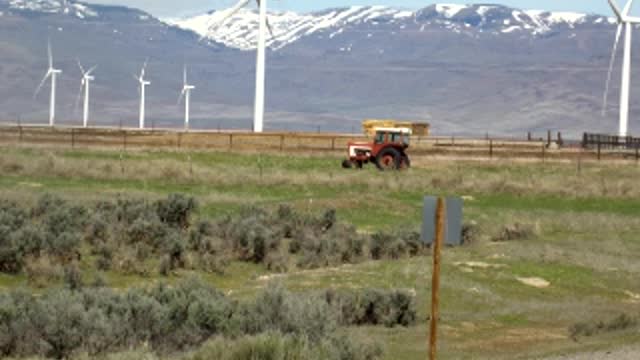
{"x": 389, "y": 159}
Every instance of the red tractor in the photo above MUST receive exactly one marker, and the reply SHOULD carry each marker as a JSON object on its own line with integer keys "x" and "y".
{"x": 388, "y": 150}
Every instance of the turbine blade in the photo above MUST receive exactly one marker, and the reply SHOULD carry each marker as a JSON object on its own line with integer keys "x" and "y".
{"x": 79, "y": 97}
{"x": 627, "y": 8}
{"x": 81, "y": 68}
{"x": 92, "y": 70}
{"x": 44, "y": 79}
{"x": 616, "y": 10}
{"x": 229, "y": 13}
{"x": 144, "y": 69}
{"x": 50, "y": 54}
{"x": 184, "y": 78}
{"x": 181, "y": 96}
{"x": 270, "y": 29}
{"x": 605, "y": 97}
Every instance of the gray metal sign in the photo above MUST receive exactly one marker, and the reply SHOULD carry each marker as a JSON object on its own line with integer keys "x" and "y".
{"x": 453, "y": 221}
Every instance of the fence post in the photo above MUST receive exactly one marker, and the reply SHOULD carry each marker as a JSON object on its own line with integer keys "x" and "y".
{"x": 124, "y": 140}
{"x": 230, "y": 141}
{"x": 548, "y": 137}
{"x": 20, "y": 134}
{"x": 73, "y": 138}
{"x": 529, "y": 136}
{"x": 599, "y": 150}
{"x": 491, "y": 149}
{"x": 580, "y": 160}
{"x": 281, "y": 143}
{"x": 179, "y": 140}
{"x": 333, "y": 144}
{"x": 637, "y": 152}
{"x": 544, "y": 153}
{"x": 435, "y": 286}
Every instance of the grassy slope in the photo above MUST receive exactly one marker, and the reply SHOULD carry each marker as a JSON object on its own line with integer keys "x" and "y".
{"x": 587, "y": 242}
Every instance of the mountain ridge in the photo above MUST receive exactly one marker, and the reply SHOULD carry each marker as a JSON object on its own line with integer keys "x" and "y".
{"x": 240, "y": 31}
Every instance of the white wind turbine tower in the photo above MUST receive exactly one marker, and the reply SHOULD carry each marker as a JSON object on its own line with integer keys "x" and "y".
{"x": 186, "y": 93}
{"x": 143, "y": 84}
{"x": 53, "y": 73}
{"x": 258, "y": 117}
{"x": 626, "y": 21}
{"x": 87, "y": 78}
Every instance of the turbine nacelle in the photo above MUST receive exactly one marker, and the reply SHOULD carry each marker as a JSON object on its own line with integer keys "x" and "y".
{"x": 622, "y": 16}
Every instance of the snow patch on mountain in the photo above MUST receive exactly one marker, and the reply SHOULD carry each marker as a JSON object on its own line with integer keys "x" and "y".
{"x": 53, "y": 7}
{"x": 241, "y": 30}
{"x": 449, "y": 10}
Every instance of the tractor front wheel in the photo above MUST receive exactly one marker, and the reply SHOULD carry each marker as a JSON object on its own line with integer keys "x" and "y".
{"x": 389, "y": 159}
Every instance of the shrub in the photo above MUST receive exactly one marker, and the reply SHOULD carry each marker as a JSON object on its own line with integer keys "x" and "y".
{"x": 72, "y": 277}
{"x": 516, "y": 231}
{"x": 373, "y": 307}
{"x": 619, "y": 323}
{"x": 470, "y": 233}
{"x": 62, "y": 323}
{"x": 386, "y": 245}
{"x": 176, "y": 210}
{"x": 42, "y": 271}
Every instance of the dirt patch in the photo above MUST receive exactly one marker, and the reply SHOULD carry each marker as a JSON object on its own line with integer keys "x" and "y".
{"x": 479, "y": 265}
{"x": 536, "y": 282}
{"x": 633, "y": 297}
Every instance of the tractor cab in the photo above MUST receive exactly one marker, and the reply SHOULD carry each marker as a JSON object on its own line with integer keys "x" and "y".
{"x": 396, "y": 136}
{"x": 387, "y": 151}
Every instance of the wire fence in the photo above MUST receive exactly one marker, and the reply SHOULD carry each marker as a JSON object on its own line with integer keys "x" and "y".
{"x": 163, "y": 139}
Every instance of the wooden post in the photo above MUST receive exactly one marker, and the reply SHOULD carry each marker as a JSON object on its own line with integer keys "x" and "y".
{"x": 549, "y": 138}
{"x": 544, "y": 153}
{"x": 529, "y": 136}
{"x": 281, "y": 143}
{"x": 637, "y": 152}
{"x": 435, "y": 287}
{"x": 230, "y": 141}
{"x": 179, "y": 140}
{"x": 20, "y": 135}
{"x": 491, "y": 149}
{"x": 124, "y": 140}
{"x": 333, "y": 144}
{"x": 73, "y": 138}
{"x": 599, "y": 150}
{"x": 580, "y": 161}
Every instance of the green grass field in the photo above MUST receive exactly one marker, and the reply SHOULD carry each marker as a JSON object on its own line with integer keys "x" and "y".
{"x": 585, "y": 240}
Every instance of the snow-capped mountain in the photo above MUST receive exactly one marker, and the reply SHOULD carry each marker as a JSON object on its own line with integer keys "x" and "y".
{"x": 240, "y": 31}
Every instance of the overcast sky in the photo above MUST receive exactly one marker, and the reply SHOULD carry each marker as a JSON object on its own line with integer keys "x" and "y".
{"x": 173, "y": 8}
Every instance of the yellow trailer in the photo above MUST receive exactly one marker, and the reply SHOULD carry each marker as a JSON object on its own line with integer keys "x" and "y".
{"x": 419, "y": 128}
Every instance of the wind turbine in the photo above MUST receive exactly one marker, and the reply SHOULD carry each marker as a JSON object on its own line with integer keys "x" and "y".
{"x": 84, "y": 84}
{"x": 53, "y": 73}
{"x": 143, "y": 84}
{"x": 186, "y": 93}
{"x": 258, "y": 116}
{"x": 624, "y": 21}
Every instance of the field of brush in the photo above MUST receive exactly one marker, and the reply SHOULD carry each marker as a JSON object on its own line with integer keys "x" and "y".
{"x": 550, "y": 266}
